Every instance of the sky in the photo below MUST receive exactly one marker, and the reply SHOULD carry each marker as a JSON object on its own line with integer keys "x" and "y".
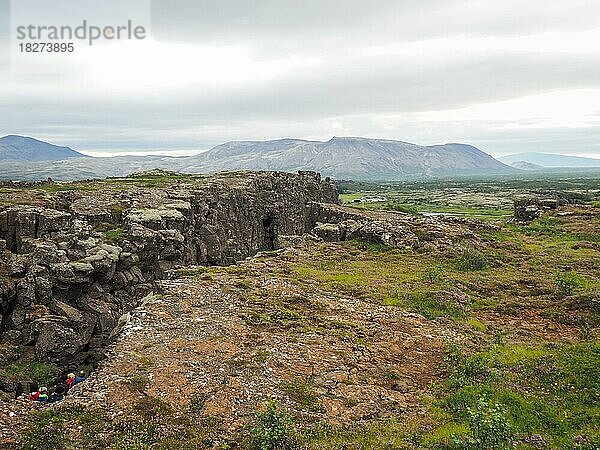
{"x": 508, "y": 77}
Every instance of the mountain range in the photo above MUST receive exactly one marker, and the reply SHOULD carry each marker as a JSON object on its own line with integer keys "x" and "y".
{"x": 548, "y": 160}
{"x": 26, "y": 158}
{"x": 340, "y": 157}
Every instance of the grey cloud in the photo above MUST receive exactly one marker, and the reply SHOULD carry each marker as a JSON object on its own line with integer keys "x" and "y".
{"x": 355, "y": 88}
{"x": 344, "y": 89}
{"x": 285, "y": 26}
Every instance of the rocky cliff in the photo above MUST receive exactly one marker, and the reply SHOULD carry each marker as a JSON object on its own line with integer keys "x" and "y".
{"x": 74, "y": 259}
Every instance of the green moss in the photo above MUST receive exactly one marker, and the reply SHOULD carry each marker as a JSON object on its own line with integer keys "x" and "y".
{"x": 115, "y": 234}
{"x": 302, "y": 394}
{"x": 431, "y": 304}
{"x": 477, "y": 325}
{"x": 40, "y": 373}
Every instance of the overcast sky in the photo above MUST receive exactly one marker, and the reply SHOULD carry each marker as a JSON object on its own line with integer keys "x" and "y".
{"x": 506, "y": 76}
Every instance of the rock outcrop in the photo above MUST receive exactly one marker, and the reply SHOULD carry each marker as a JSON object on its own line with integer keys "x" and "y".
{"x": 529, "y": 208}
{"x": 72, "y": 266}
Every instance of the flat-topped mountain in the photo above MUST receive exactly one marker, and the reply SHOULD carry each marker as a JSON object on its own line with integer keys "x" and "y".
{"x": 22, "y": 148}
{"x": 347, "y": 157}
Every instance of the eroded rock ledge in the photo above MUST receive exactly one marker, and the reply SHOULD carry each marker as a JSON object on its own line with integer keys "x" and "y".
{"x": 74, "y": 259}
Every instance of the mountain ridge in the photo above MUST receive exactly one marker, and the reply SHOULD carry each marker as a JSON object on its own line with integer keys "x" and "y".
{"x": 344, "y": 157}
{"x": 23, "y": 148}
{"x": 550, "y": 160}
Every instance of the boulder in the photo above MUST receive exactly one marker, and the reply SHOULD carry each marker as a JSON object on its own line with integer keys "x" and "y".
{"x": 56, "y": 341}
{"x": 527, "y": 209}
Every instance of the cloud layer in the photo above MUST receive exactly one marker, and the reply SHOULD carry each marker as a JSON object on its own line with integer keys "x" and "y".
{"x": 506, "y": 76}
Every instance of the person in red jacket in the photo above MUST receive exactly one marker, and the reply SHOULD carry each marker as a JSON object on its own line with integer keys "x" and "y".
{"x": 70, "y": 380}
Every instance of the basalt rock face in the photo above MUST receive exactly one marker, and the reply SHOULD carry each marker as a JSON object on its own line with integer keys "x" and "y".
{"x": 73, "y": 264}
{"x": 529, "y": 208}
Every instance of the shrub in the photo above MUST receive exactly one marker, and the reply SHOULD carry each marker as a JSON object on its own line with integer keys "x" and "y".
{"x": 434, "y": 274}
{"x": 568, "y": 282}
{"x": 138, "y": 382}
{"x": 472, "y": 260}
{"x": 302, "y": 394}
{"x": 198, "y": 401}
{"x": 489, "y": 426}
{"x": 273, "y": 429}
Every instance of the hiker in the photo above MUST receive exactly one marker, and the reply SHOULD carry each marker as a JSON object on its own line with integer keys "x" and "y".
{"x": 57, "y": 395}
{"x": 79, "y": 378}
{"x": 42, "y": 395}
{"x": 34, "y": 392}
{"x": 70, "y": 380}
{"x": 19, "y": 390}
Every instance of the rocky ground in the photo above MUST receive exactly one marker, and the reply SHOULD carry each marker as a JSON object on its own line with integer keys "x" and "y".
{"x": 375, "y": 330}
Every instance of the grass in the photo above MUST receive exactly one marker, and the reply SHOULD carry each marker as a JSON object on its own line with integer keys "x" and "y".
{"x": 524, "y": 274}
{"x": 40, "y": 373}
{"x": 389, "y": 434}
{"x": 567, "y": 283}
{"x": 547, "y": 391}
{"x": 115, "y": 234}
{"x": 484, "y": 213}
{"x": 302, "y": 394}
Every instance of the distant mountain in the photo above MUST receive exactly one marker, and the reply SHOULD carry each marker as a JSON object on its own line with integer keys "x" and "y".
{"x": 21, "y": 148}
{"x": 524, "y": 165}
{"x": 551, "y": 160}
{"x": 347, "y": 157}
{"x": 340, "y": 157}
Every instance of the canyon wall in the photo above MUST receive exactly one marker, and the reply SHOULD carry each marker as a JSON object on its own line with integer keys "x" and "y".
{"x": 74, "y": 262}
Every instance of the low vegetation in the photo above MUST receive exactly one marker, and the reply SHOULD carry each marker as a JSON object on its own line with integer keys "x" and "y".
{"x": 519, "y": 362}
{"x": 523, "y": 395}
{"x": 40, "y": 373}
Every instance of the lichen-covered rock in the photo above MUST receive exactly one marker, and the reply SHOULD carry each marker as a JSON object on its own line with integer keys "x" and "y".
{"x": 68, "y": 271}
{"x": 531, "y": 207}
{"x": 527, "y": 209}
{"x": 328, "y": 232}
{"x": 375, "y": 231}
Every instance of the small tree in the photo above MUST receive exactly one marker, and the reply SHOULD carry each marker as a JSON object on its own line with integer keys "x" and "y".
{"x": 273, "y": 429}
